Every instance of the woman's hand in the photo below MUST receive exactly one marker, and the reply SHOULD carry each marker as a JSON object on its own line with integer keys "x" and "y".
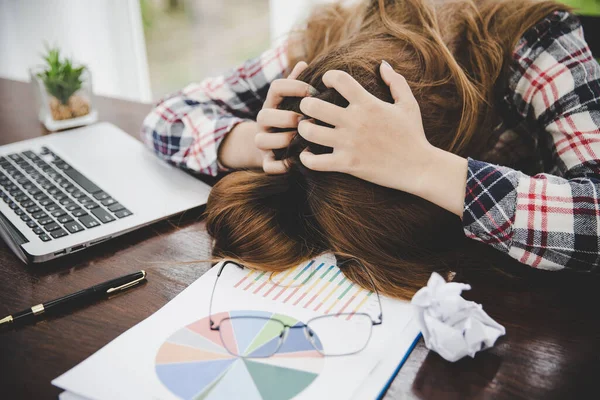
{"x": 250, "y": 144}
{"x": 270, "y": 117}
{"x": 382, "y": 143}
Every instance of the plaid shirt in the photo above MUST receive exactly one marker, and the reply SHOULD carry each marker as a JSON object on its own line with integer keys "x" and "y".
{"x": 551, "y": 124}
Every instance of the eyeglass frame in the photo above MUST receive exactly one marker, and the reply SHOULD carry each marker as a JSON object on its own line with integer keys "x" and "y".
{"x": 374, "y": 322}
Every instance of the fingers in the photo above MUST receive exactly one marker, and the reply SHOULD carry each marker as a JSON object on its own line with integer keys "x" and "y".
{"x": 346, "y": 85}
{"x": 398, "y": 87}
{"x": 317, "y": 134}
{"x": 271, "y": 117}
{"x": 301, "y": 66}
{"x": 281, "y": 88}
{"x": 273, "y": 140}
{"x": 322, "y": 110}
{"x": 273, "y": 166}
{"x": 320, "y": 162}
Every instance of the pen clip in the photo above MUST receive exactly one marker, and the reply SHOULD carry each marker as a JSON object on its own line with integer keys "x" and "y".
{"x": 128, "y": 284}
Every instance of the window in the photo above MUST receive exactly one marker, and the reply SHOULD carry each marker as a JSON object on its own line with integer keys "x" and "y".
{"x": 188, "y": 40}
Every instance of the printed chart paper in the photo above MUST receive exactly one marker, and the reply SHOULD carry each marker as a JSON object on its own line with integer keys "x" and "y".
{"x": 175, "y": 355}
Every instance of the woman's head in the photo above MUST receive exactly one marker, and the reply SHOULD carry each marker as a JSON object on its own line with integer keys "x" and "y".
{"x": 274, "y": 222}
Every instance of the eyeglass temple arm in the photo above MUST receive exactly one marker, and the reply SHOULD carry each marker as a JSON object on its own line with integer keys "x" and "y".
{"x": 380, "y": 317}
{"x": 212, "y": 294}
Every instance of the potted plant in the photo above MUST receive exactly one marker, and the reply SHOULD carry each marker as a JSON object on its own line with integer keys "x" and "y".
{"x": 63, "y": 92}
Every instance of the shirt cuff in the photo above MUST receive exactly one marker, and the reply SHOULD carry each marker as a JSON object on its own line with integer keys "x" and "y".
{"x": 235, "y": 122}
{"x": 490, "y": 204}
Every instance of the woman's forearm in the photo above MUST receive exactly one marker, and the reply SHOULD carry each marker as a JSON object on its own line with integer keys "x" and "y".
{"x": 238, "y": 150}
{"x": 443, "y": 180}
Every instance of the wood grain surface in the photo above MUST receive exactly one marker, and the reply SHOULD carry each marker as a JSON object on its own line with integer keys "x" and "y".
{"x": 551, "y": 350}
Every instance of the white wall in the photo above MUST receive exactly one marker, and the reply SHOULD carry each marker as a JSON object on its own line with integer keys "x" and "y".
{"x": 285, "y": 14}
{"x": 106, "y": 35}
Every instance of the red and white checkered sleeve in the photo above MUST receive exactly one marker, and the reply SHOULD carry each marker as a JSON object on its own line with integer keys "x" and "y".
{"x": 186, "y": 128}
{"x": 548, "y": 221}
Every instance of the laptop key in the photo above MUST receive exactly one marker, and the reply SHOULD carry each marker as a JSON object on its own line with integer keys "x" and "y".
{"x": 44, "y": 238}
{"x": 82, "y": 181}
{"x": 123, "y": 213}
{"x": 19, "y": 212}
{"x": 88, "y": 221}
{"x": 64, "y": 219}
{"x": 46, "y": 221}
{"x": 51, "y": 207}
{"x": 13, "y": 205}
{"x": 54, "y": 190}
{"x": 72, "y": 207}
{"x": 85, "y": 200}
{"x": 38, "y": 230}
{"x": 77, "y": 194}
{"x": 39, "y": 195}
{"x": 108, "y": 202}
{"x": 29, "y": 154}
{"x": 102, "y": 215}
{"x": 31, "y": 224}
{"x": 79, "y": 213}
{"x": 116, "y": 207}
{"x": 73, "y": 227}
{"x": 91, "y": 206}
{"x": 46, "y": 203}
{"x": 63, "y": 165}
{"x": 63, "y": 198}
{"x": 52, "y": 227}
{"x": 58, "y": 233}
{"x": 101, "y": 196}
{"x": 22, "y": 199}
{"x": 32, "y": 208}
{"x": 25, "y": 218}
{"x": 58, "y": 213}
{"x": 40, "y": 215}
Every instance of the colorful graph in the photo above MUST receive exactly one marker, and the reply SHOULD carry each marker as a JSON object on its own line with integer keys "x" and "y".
{"x": 316, "y": 286}
{"x": 194, "y": 364}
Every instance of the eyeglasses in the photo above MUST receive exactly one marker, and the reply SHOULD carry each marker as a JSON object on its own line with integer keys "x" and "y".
{"x": 337, "y": 334}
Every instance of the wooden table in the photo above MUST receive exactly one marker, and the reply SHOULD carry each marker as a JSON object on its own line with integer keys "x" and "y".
{"x": 551, "y": 350}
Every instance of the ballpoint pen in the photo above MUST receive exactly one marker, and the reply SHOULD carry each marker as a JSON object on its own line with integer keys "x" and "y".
{"x": 82, "y": 297}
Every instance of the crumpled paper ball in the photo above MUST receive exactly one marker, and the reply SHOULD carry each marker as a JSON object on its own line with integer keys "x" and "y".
{"x": 452, "y": 326}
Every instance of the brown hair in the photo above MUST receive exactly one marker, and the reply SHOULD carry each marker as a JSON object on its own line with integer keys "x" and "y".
{"x": 454, "y": 56}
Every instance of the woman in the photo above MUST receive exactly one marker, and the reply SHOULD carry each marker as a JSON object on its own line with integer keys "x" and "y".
{"x": 394, "y": 155}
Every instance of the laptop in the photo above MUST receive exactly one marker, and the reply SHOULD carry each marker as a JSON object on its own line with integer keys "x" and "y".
{"x": 64, "y": 192}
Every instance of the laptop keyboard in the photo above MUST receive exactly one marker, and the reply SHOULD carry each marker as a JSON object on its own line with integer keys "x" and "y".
{"x": 52, "y": 197}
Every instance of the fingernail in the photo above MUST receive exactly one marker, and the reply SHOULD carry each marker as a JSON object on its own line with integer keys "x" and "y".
{"x": 387, "y": 64}
{"x": 312, "y": 91}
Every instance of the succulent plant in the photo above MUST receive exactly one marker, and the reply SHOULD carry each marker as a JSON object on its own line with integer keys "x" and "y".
{"x": 61, "y": 78}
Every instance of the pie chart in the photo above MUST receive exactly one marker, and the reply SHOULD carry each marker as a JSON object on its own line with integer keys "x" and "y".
{"x": 193, "y": 363}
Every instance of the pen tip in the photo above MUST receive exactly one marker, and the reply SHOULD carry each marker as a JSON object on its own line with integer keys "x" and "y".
{"x": 6, "y": 320}
{"x": 143, "y": 273}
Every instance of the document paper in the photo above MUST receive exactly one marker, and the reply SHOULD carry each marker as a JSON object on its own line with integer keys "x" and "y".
{"x": 173, "y": 354}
